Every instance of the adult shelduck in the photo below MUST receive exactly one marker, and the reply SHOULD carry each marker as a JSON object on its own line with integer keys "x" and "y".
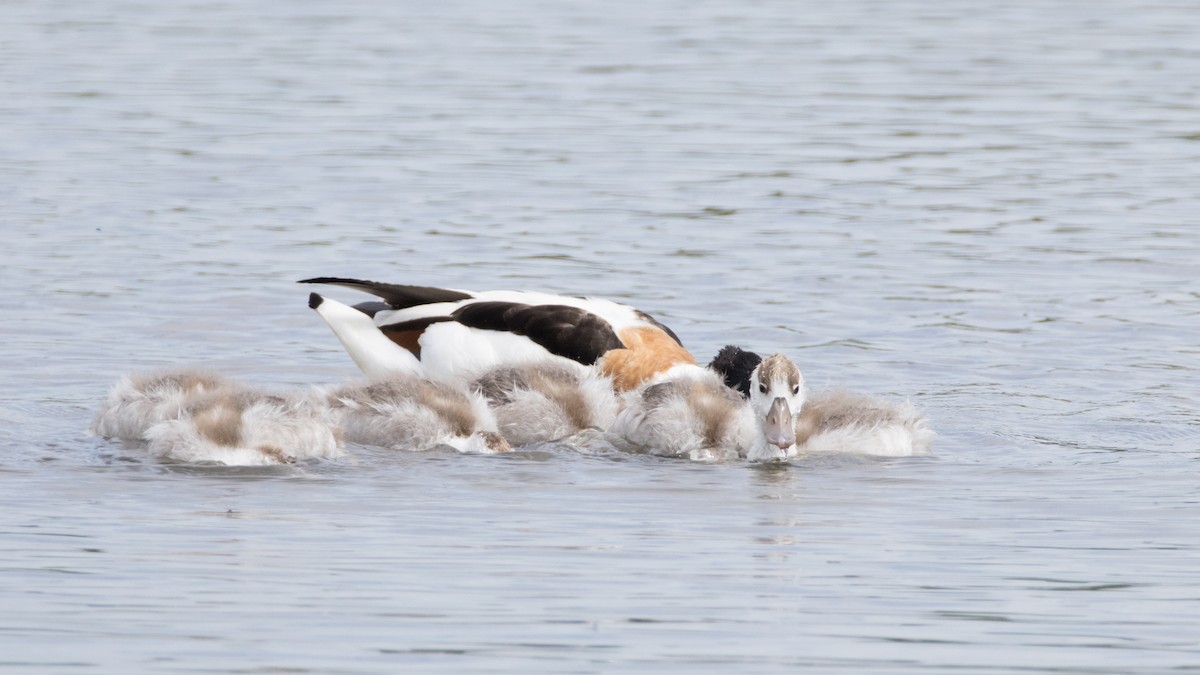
{"x": 448, "y": 334}
{"x": 196, "y": 417}
{"x": 406, "y": 412}
{"x": 825, "y": 421}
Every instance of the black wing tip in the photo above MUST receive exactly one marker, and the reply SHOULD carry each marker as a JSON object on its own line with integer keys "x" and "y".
{"x": 314, "y": 300}
{"x": 333, "y": 280}
{"x": 399, "y": 296}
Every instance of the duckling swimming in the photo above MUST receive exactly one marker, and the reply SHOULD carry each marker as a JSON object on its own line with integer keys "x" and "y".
{"x": 196, "y": 417}
{"x": 828, "y": 421}
{"x": 406, "y": 412}
{"x": 141, "y": 400}
{"x": 533, "y": 403}
{"x": 692, "y": 415}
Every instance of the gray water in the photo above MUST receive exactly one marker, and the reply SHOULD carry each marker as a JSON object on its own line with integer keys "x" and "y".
{"x": 990, "y": 211}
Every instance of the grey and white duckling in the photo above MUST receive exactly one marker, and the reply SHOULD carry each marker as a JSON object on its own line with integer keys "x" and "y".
{"x": 407, "y": 412}
{"x": 825, "y": 421}
{"x": 195, "y": 417}
{"x": 540, "y": 403}
{"x": 690, "y": 412}
{"x": 138, "y": 401}
{"x": 691, "y": 415}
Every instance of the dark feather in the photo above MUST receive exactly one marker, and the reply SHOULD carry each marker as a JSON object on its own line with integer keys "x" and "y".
{"x": 372, "y": 307}
{"x": 568, "y": 332}
{"x": 396, "y": 295}
{"x": 735, "y": 366}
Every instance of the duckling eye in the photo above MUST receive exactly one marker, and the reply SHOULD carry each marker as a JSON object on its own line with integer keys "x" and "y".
{"x": 762, "y": 388}
{"x": 796, "y": 389}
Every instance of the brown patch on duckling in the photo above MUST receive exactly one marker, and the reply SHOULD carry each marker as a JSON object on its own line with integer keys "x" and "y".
{"x": 495, "y": 442}
{"x": 778, "y": 367}
{"x": 716, "y": 409}
{"x": 808, "y": 422}
{"x": 219, "y": 420}
{"x": 276, "y": 454}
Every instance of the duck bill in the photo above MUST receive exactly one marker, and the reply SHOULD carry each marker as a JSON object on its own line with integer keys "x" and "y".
{"x": 778, "y": 427}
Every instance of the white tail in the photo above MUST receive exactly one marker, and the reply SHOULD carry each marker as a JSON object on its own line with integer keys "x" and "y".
{"x": 372, "y": 351}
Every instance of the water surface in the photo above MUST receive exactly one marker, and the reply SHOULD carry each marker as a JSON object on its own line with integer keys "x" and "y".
{"x": 989, "y": 211}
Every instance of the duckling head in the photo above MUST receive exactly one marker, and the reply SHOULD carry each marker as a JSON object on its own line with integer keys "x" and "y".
{"x": 777, "y": 394}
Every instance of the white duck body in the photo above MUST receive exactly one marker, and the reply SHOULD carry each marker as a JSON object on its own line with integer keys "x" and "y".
{"x": 404, "y": 412}
{"x": 459, "y": 335}
{"x": 534, "y": 404}
{"x": 371, "y": 350}
{"x": 190, "y": 416}
{"x": 691, "y": 413}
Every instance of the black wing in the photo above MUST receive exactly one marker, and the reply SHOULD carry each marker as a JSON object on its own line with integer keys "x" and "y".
{"x": 569, "y": 332}
{"x": 396, "y": 295}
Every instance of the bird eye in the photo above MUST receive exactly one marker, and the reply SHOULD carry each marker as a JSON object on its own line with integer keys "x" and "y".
{"x": 796, "y": 389}
{"x": 762, "y": 388}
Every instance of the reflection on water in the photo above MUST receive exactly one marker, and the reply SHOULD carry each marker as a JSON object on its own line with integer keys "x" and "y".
{"x": 987, "y": 210}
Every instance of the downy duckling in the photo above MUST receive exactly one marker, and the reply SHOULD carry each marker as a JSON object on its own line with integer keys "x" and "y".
{"x": 692, "y": 415}
{"x": 535, "y": 404}
{"x": 138, "y": 401}
{"x": 405, "y": 412}
{"x": 192, "y": 416}
{"x": 828, "y": 421}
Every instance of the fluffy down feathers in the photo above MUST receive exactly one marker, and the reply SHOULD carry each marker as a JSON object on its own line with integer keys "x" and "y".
{"x": 191, "y": 416}
{"x": 410, "y": 413}
{"x": 692, "y": 415}
{"x": 533, "y": 405}
{"x": 838, "y": 421}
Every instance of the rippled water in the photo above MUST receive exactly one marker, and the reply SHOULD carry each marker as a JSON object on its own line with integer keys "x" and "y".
{"x": 989, "y": 210}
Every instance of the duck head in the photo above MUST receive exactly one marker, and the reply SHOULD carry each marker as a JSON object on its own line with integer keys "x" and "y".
{"x": 777, "y": 394}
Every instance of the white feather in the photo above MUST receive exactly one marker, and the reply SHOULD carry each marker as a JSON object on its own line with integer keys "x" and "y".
{"x": 371, "y": 350}
{"x": 453, "y": 352}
